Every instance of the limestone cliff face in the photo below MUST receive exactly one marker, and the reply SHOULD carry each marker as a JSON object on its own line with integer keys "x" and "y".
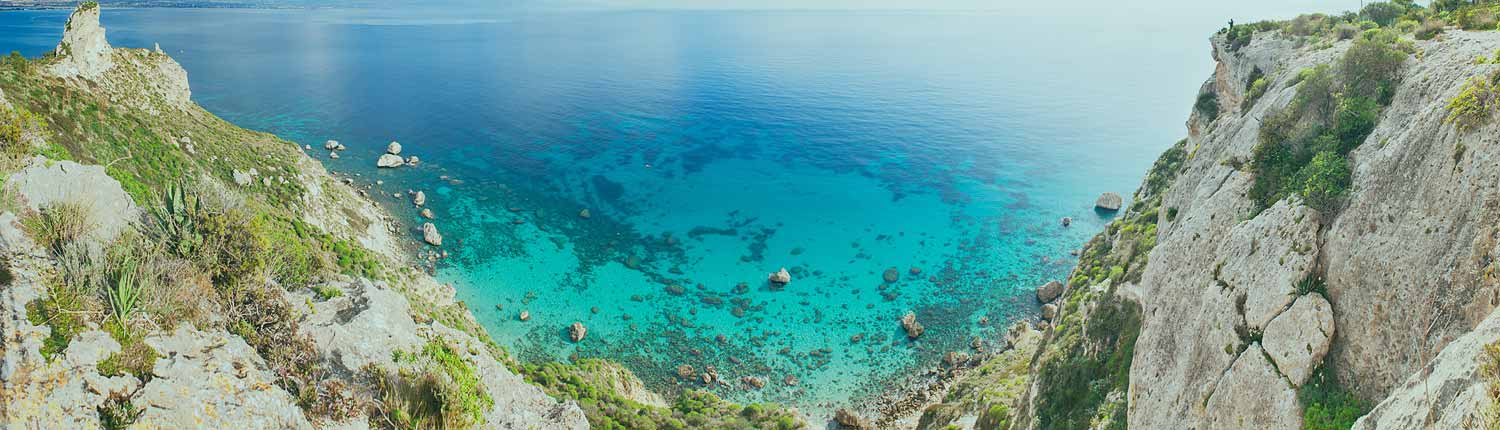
{"x": 1226, "y": 336}
{"x": 1404, "y": 258}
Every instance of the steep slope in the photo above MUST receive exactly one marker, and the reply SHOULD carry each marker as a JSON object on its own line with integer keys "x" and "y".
{"x": 180, "y": 314}
{"x": 1319, "y": 247}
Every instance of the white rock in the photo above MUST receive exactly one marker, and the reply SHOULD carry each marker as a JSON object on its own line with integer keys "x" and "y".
{"x": 413, "y": 160}
{"x": 213, "y": 380}
{"x": 1298, "y": 339}
{"x": 45, "y": 183}
{"x": 431, "y": 235}
{"x": 420, "y": 199}
{"x": 388, "y": 160}
{"x": 1109, "y": 202}
{"x": 394, "y": 148}
{"x": 1266, "y": 257}
{"x": 331, "y": 145}
{"x": 427, "y": 213}
{"x": 781, "y": 277}
{"x": 84, "y": 51}
{"x": 1449, "y": 393}
{"x": 1252, "y": 396}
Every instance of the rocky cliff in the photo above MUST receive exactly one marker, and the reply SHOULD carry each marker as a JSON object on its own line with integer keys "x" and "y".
{"x": 1317, "y": 253}
{"x": 144, "y": 288}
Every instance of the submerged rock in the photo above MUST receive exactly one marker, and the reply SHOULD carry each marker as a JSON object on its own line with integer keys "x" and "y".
{"x": 782, "y": 277}
{"x": 431, "y": 235}
{"x": 913, "y": 328}
{"x": 577, "y": 331}
{"x": 1109, "y": 202}
{"x": 525, "y": 316}
{"x": 1067, "y": 221}
{"x": 584, "y": 214}
{"x": 753, "y": 382}
{"x": 891, "y": 275}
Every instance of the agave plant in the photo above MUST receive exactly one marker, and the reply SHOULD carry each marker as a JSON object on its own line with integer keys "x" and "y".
{"x": 175, "y": 221}
{"x": 125, "y": 290}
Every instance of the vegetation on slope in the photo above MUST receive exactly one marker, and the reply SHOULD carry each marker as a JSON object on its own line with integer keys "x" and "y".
{"x": 1082, "y": 370}
{"x": 1303, "y": 148}
{"x": 693, "y": 409}
{"x": 210, "y": 256}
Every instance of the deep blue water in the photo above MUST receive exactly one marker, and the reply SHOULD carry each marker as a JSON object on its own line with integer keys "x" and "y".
{"x": 710, "y": 149}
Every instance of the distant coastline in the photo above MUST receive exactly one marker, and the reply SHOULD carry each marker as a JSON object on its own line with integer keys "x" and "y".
{"x": 8, "y": 5}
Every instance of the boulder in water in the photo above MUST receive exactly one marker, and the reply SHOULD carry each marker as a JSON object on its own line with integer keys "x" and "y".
{"x": 394, "y": 148}
{"x": 388, "y": 160}
{"x": 1108, "y": 202}
{"x": 782, "y": 277}
{"x": 913, "y": 328}
{"x": 427, "y": 213}
{"x": 577, "y": 331}
{"x": 420, "y": 199}
{"x": 1049, "y": 291}
{"x": 431, "y": 235}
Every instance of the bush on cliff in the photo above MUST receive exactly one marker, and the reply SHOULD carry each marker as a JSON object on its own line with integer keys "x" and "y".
{"x": 1476, "y": 103}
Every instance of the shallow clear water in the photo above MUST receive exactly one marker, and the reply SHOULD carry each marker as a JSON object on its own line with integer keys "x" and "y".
{"x": 711, "y": 148}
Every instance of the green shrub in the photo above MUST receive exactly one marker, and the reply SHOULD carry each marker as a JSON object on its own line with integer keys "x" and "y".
{"x": 1382, "y": 13}
{"x": 117, "y": 413}
{"x": 1075, "y": 383}
{"x": 1325, "y": 181}
{"x": 57, "y": 225}
{"x": 1371, "y": 68}
{"x": 1326, "y": 405}
{"x": 1476, "y": 103}
{"x": 995, "y": 417}
{"x": 434, "y": 389}
{"x": 1207, "y": 105}
{"x": 14, "y": 123}
{"x": 1315, "y": 92}
{"x": 1355, "y": 119}
{"x": 1430, "y": 28}
{"x": 1477, "y": 18}
{"x": 1257, "y": 88}
{"x": 135, "y": 356}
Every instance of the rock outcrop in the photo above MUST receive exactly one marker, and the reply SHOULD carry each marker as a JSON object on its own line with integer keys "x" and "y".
{"x": 1298, "y": 339}
{"x": 84, "y": 52}
{"x": 430, "y": 235}
{"x": 44, "y": 184}
{"x": 1240, "y": 306}
{"x": 1109, "y": 202}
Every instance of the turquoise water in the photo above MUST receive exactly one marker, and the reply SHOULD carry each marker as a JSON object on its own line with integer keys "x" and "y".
{"x": 710, "y": 149}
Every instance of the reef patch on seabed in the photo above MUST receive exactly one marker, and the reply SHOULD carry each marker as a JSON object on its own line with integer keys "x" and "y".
{"x": 679, "y": 283}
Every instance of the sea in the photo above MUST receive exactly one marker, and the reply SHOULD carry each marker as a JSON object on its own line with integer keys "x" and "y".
{"x": 710, "y": 148}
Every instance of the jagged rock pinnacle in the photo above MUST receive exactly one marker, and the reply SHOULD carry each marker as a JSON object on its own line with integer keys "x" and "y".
{"x": 84, "y": 52}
